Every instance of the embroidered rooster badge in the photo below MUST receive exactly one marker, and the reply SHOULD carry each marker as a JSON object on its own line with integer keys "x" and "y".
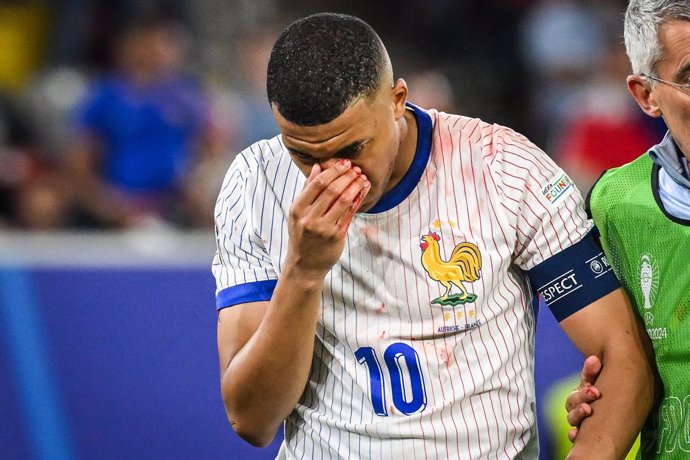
{"x": 465, "y": 264}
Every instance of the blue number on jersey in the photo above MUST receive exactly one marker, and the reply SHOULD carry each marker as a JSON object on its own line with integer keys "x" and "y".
{"x": 395, "y": 356}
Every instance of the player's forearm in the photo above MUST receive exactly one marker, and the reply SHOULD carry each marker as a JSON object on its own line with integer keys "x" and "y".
{"x": 267, "y": 377}
{"x": 627, "y": 386}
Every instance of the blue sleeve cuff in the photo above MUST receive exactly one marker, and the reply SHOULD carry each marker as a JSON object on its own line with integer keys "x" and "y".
{"x": 242, "y": 293}
{"x": 574, "y": 278}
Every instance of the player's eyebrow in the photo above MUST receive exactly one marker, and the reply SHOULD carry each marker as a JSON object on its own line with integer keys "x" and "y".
{"x": 350, "y": 149}
{"x": 342, "y": 153}
{"x": 302, "y": 155}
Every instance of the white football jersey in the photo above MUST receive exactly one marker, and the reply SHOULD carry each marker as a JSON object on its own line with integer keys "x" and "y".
{"x": 425, "y": 345}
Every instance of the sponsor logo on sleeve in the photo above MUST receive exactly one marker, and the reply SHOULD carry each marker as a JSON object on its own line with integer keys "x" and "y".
{"x": 557, "y": 188}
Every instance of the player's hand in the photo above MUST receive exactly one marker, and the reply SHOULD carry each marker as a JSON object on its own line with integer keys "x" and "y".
{"x": 321, "y": 215}
{"x": 578, "y": 402}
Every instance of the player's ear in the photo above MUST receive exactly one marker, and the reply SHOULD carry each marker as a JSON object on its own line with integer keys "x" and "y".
{"x": 399, "y": 97}
{"x": 641, "y": 89}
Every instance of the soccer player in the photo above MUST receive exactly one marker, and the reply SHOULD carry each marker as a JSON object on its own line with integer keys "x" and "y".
{"x": 643, "y": 212}
{"x": 376, "y": 267}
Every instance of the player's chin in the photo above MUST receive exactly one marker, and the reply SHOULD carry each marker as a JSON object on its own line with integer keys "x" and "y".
{"x": 367, "y": 204}
{"x": 364, "y": 208}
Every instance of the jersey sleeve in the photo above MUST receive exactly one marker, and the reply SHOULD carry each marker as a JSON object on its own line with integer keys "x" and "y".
{"x": 555, "y": 240}
{"x": 242, "y": 267}
{"x": 541, "y": 203}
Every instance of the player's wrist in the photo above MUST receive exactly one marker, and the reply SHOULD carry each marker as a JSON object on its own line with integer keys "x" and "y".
{"x": 603, "y": 448}
{"x": 303, "y": 276}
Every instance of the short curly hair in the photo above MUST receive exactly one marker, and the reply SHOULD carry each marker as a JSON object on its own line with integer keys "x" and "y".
{"x": 320, "y": 64}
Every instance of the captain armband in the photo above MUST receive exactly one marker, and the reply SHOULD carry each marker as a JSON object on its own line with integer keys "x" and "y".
{"x": 574, "y": 278}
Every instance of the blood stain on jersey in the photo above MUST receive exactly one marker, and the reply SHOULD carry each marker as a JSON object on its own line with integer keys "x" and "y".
{"x": 464, "y": 265}
{"x": 443, "y": 355}
{"x": 370, "y": 234}
{"x": 381, "y": 308}
{"x": 430, "y": 176}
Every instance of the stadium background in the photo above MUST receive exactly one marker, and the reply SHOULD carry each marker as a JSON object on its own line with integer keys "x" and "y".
{"x": 107, "y": 335}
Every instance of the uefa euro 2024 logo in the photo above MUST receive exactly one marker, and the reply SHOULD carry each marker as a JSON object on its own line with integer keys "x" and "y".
{"x": 646, "y": 279}
{"x": 649, "y": 283}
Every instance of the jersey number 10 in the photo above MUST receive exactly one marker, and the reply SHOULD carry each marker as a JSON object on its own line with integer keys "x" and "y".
{"x": 409, "y": 394}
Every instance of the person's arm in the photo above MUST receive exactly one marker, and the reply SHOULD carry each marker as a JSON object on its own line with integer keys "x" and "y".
{"x": 609, "y": 329}
{"x": 266, "y": 348}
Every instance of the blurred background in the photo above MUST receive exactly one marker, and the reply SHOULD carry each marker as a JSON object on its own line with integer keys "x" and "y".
{"x": 117, "y": 123}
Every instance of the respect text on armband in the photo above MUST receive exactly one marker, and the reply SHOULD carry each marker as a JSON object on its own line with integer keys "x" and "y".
{"x": 559, "y": 287}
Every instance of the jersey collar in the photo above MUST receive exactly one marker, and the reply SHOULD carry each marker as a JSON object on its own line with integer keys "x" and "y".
{"x": 670, "y": 184}
{"x": 667, "y": 155}
{"x": 402, "y": 190}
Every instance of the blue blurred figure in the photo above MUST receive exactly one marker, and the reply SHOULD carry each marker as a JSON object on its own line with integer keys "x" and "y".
{"x": 141, "y": 131}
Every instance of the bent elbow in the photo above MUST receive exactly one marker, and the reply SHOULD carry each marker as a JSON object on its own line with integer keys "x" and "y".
{"x": 251, "y": 427}
{"x": 253, "y": 423}
{"x": 255, "y": 437}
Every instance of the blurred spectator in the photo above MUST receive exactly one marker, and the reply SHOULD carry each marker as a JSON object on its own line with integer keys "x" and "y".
{"x": 50, "y": 98}
{"x": 243, "y": 104}
{"x": 143, "y": 131}
{"x": 587, "y": 121}
{"x": 562, "y": 41}
{"x": 29, "y": 194}
{"x": 602, "y": 127}
{"x": 432, "y": 88}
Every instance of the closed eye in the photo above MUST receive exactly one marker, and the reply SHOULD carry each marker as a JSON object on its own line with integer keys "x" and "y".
{"x": 303, "y": 157}
{"x": 351, "y": 150}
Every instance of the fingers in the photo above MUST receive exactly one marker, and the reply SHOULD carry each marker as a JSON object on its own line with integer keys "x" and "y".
{"x": 579, "y": 401}
{"x": 344, "y": 209}
{"x": 323, "y": 180}
{"x": 315, "y": 170}
{"x": 585, "y": 392}
{"x": 338, "y": 195}
{"x": 572, "y": 434}
{"x": 579, "y": 414}
{"x": 590, "y": 371}
{"x": 331, "y": 192}
{"x": 585, "y": 395}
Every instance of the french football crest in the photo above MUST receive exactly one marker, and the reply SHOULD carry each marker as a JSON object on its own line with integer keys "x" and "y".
{"x": 464, "y": 265}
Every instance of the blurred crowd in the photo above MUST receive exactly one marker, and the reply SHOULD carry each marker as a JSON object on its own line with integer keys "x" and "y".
{"x": 127, "y": 114}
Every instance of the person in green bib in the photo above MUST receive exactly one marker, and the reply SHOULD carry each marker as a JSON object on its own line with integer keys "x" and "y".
{"x": 642, "y": 210}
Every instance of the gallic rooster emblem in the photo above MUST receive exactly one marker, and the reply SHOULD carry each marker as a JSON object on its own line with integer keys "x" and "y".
{"x": 464, "y": 265}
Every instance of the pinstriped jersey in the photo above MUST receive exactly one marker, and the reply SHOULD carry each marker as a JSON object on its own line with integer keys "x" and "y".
{"x": 424, "y": 347}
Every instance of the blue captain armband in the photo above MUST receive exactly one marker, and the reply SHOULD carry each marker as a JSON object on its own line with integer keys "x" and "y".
{"x": 574, "y": 278}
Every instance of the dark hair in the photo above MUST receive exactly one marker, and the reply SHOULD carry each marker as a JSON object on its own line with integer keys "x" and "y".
{"x": 320, "y": 64}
